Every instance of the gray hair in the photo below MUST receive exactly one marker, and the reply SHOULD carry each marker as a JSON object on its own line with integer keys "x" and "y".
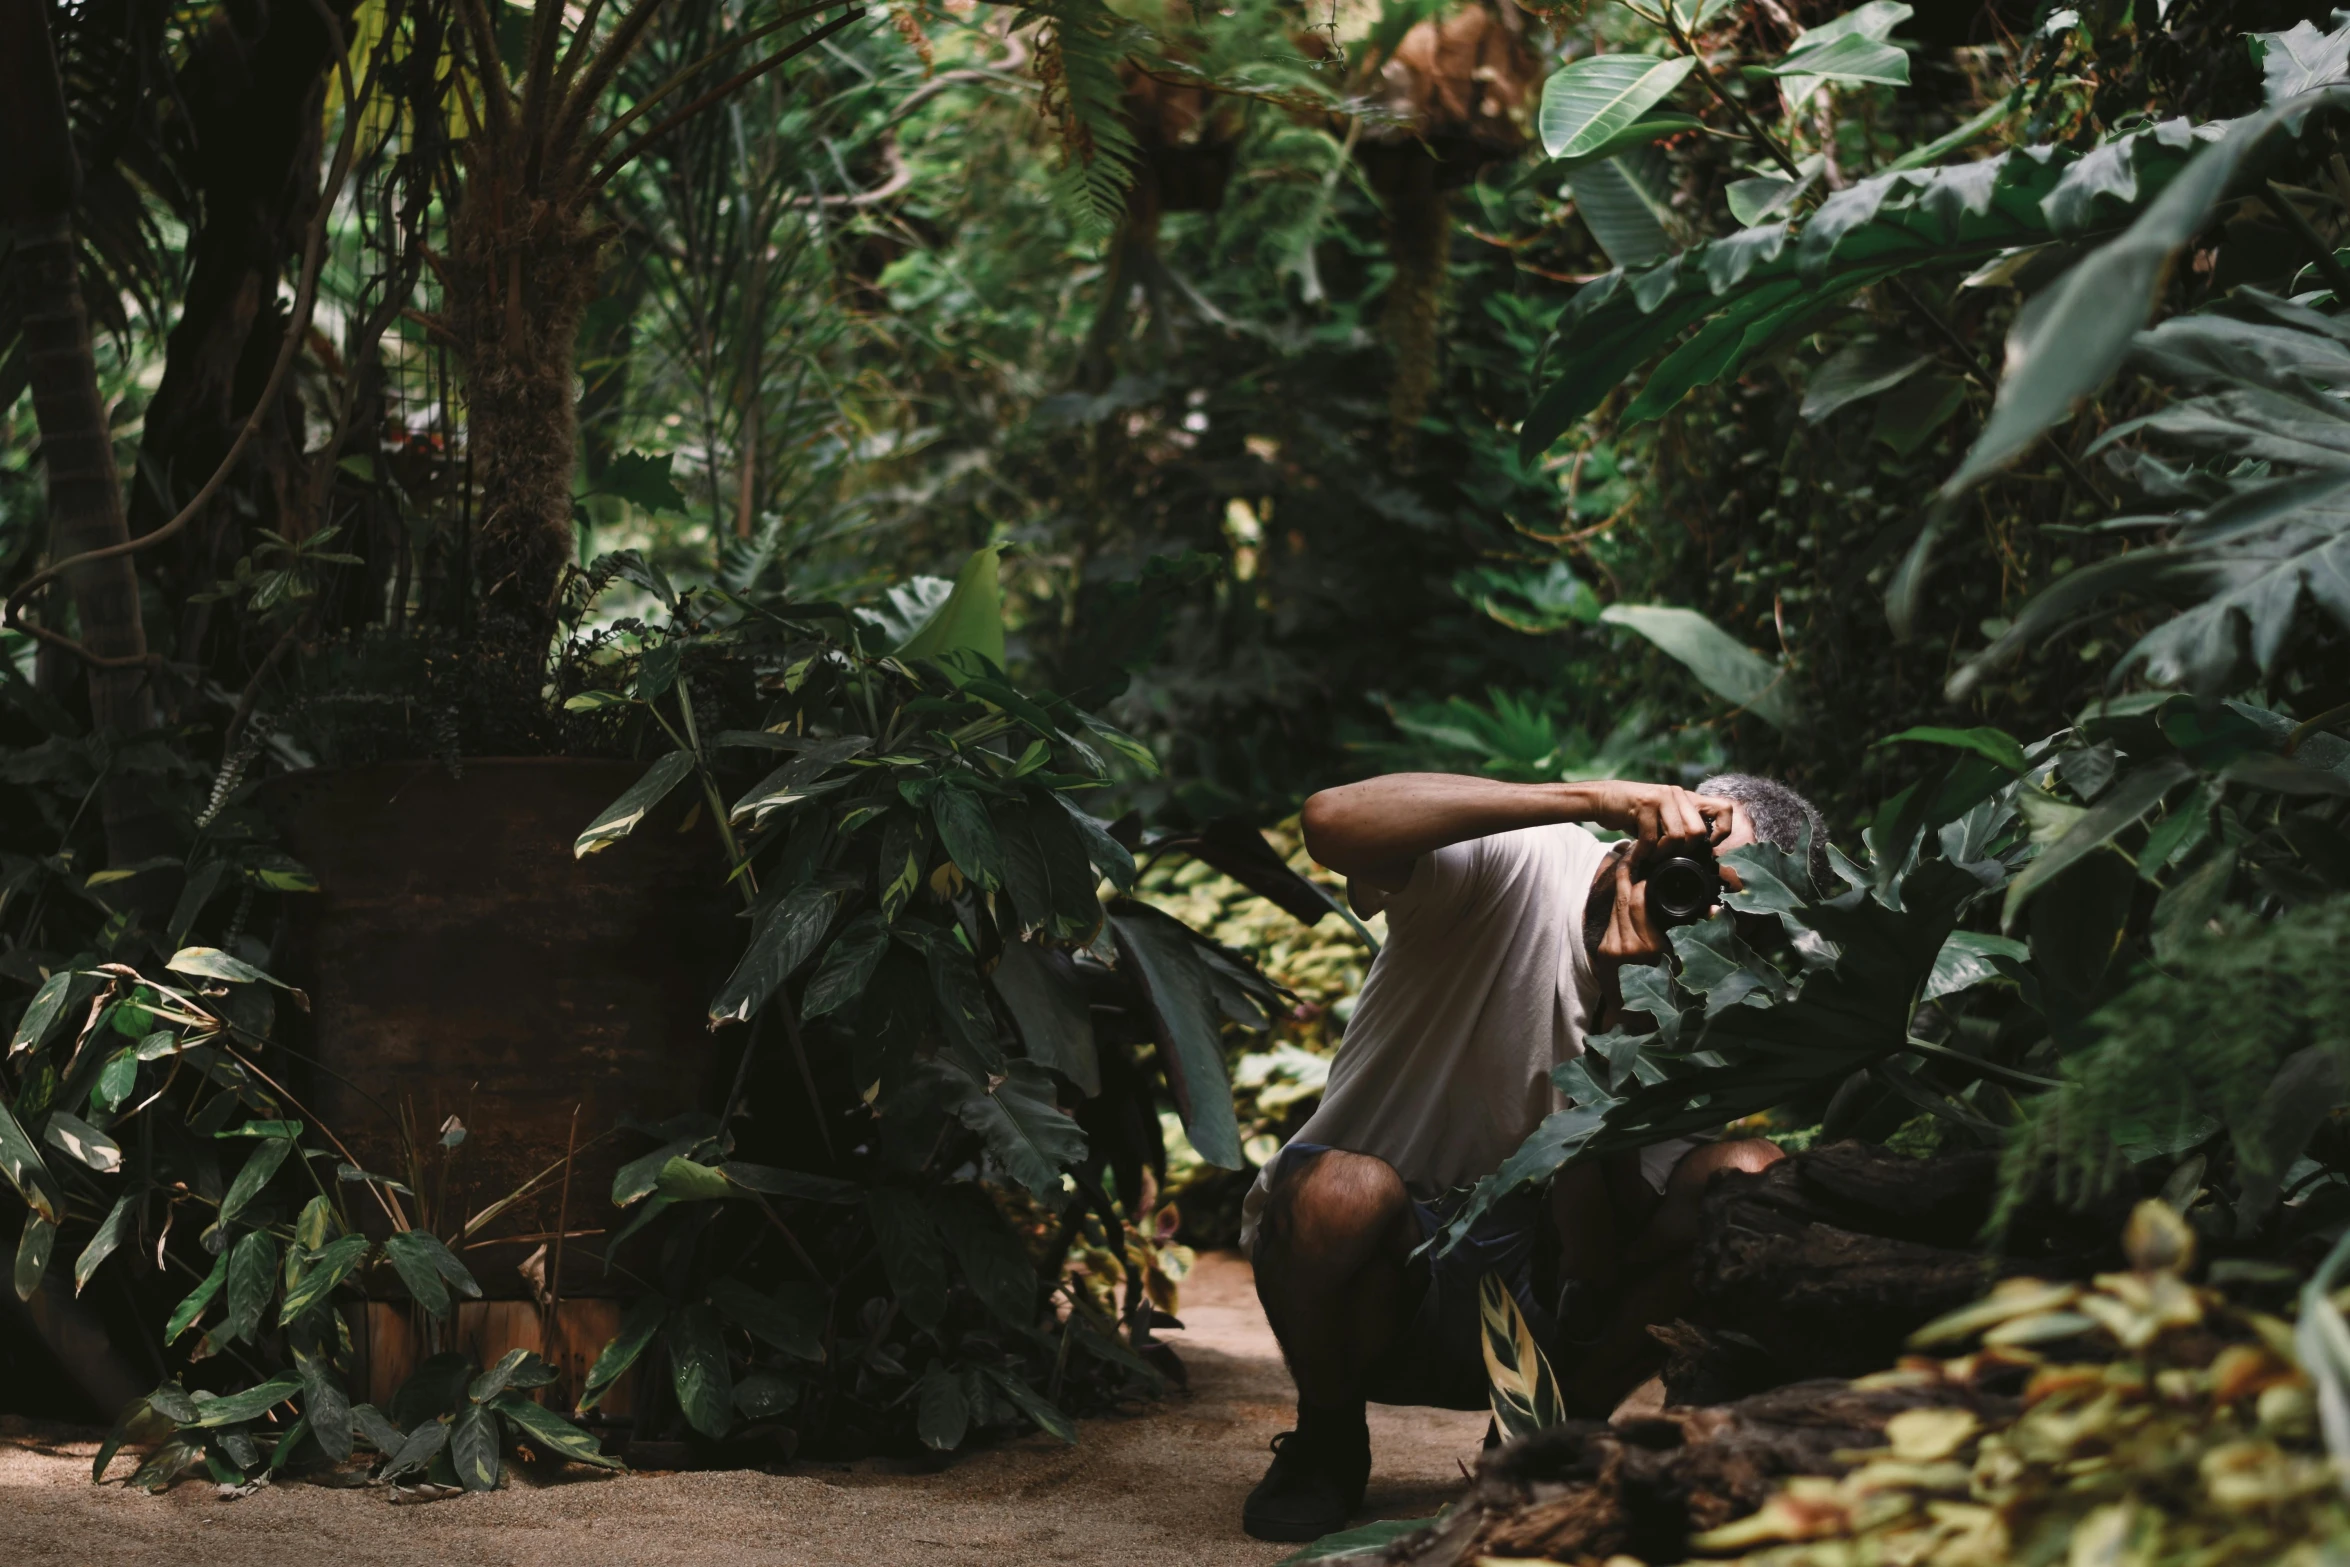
{"x": 1780, "y": 816}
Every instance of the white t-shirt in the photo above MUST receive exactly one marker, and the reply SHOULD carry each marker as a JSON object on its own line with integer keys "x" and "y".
{"x": 1482, "y": 988}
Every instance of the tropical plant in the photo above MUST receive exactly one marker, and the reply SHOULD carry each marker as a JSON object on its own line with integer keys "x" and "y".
{"x": 926, "y": 936}
{"x": 146, "y": 1092}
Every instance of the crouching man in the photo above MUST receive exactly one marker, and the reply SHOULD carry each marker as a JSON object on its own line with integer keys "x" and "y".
{"x": 1508, "y": 923}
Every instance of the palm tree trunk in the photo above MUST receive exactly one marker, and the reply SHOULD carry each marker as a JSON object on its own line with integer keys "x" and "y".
{"x": 37, "y": 190}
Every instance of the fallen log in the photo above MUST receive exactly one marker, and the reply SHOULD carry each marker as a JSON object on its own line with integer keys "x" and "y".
{"x": 1588, "y": 1491}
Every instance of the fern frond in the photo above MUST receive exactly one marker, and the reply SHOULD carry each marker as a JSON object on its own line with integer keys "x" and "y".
{"x": 1079, "y": 49}
{"x": 1525, "y": 1394}
{"x": 2189, "y": 1051}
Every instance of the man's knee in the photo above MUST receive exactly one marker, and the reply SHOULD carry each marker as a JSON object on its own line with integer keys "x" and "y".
{"x": 1749, "y": 1154}
{"x": 1332, "y": 1199}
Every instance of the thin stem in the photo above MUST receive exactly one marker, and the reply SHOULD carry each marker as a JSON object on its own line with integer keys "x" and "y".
{"x": 1705, "y": 74}
{"x": 1992, "y": 1069}
{"x": 2328, "y": 264}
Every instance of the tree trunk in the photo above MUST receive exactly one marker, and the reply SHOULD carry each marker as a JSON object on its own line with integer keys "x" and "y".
{"x": 518, "y": 277}
{"x": 253, "y": 89}
{"x": 77, "y": 449}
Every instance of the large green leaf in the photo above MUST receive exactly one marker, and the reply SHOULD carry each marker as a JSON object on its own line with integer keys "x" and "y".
{"x": 42, "y": 1012}
{"x": 429, "y": 1269}
{"x": 779, "y": 1321}
{"x": 2122, "y": 805}
{"x": 619, "y": 819}
{"x": 250, "y": 1404}
{"x": 1721, "y": 663}
{"x": 1033, "y": 1404}
{"x": 1047, "y": 872}
{"x": 2072, "y": 339}
{"x": 941, "y": 1413}
{"x": 910, "y": 1253}
{"x": 262, "y": 1163}
{"x": 969, "y": 836}
{"x": 1047, "y": 1001}
{"x": 1592, "y": 100}
{"x": 848, "y": 965}
{"x": 325, "y": 1404}
{"x": 335, "y": 1262}
{"x": 1852, "y": 48}
{"x": 252, "y": 1279}
{"x": 106, "y": 1239}
{"x": 783, "y": 939}
{"x": 81, "y": 1141}
{"x": 1165, "y": 959}
{"x": 22, "y": 1162}
{"x": 33, "y": 1246}
{"x": 637, "y": 1330}
{"x": 550, "y": 1432}
{"x": 1622, "y": 203}
{"x": 1862, "y": 368}
{"x": 971, "y": 618}
{"x": 1933, "y": 217}
{"x": 474, "y": 1449}
{"x": 1027, "y": 1133}
{"x": 698, "y": 1370}
{"x": 799, "y": 778}
{"x": 993, "y": 1263}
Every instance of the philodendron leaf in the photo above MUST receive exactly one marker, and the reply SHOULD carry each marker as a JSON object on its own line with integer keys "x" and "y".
{"x": 619, "y": 819}
{"x": 1968, "y": 958}
{"x": 1861, "y": 368}
{"x": 1721, "y": 663}
{"x": 1851, "y": 48}
{"x": 2121, "y": 805}
{"x": 2070, "y": 340}
{"x": 252, "y": 1278}
{"x": 325, "y": 1404}
{"x": 428, "y": 1268}
{"x": 1593, "y": 99}
{"x": 2300, "y": 59}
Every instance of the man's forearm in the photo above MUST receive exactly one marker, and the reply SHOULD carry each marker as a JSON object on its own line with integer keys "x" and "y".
{"x": 1377, "y": 828}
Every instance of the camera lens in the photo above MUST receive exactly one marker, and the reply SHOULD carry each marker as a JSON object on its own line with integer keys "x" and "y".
{"x": 1682, "y": 889}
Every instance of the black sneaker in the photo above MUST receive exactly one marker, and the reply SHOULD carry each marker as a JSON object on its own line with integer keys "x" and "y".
{"x": 1311, "y": 1490}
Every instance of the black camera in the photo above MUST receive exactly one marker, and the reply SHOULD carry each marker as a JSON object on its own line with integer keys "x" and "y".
{"x": 1682, "y": 889}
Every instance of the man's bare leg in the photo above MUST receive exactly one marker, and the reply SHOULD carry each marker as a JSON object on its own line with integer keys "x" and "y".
{"x": 1333, "y": 1261}
{"x": 1633, "y": 1248}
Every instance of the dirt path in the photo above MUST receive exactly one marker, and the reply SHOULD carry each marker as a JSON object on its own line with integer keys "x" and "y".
{"x": 1161, "y": 1489}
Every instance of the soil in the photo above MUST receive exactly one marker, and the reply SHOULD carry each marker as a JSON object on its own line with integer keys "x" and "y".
{"x": 1160, "y": 1488}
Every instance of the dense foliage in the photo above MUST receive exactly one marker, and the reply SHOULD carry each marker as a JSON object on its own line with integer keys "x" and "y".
{"x": 1942, "y": 409}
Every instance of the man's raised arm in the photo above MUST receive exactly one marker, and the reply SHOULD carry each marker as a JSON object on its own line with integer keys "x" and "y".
{"x": 1373, "y": 832}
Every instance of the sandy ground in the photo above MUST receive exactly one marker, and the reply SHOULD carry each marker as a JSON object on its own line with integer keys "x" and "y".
{"x": 1160, "y": 1489}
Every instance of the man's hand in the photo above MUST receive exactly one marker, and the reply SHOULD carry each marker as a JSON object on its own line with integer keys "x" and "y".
{"x": 1631, "y": 937}
{"x": 1660, "y": 813}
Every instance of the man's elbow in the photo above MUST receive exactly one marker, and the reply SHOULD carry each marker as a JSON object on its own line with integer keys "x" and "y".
{"x": 1325, "y": 824}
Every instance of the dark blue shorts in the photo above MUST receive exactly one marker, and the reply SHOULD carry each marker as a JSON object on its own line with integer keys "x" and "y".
{"x": 1439, "y": 1362}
